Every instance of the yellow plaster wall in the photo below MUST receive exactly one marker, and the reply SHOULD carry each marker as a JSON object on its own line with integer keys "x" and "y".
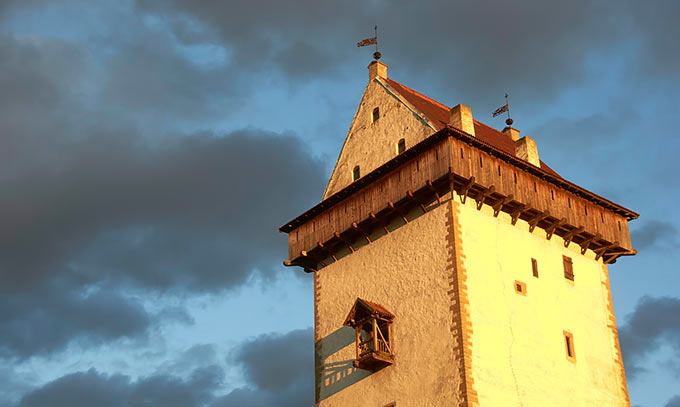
{"x": 368, "y": 144}
{"x": 518, "y": 355}
{"x": 406, "y": 272}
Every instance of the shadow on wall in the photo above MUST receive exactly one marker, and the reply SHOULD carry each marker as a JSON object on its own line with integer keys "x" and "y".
{"x": 333, "y": 377}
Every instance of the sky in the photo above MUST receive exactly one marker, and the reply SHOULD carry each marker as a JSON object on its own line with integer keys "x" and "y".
{"x": 150, "y": 149}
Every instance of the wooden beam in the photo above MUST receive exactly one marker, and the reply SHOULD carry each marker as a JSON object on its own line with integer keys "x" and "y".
{"x": 569, "y": 236}
{"x": 533, "y": 222}
{"x": 517, "y": 212}
{"x": 483, "y": 194}
{"x": 588, "y": 242}
{"x": 551, "y": 229}
{"x": 465, "y": 189}
{"x": 498, "y": 205}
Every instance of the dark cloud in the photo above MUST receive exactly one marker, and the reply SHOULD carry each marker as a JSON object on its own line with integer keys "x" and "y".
{"x": 673, "y": 402}
{"x": 469, "y": 49}
{"x": 92, "y": 388}
{"x": 654, "y": 233}
{"x": 94, "y": 205}
{"x": 655, "y": 322}
{"x": 48, "y": 319}
{"x": 279, "y": 369}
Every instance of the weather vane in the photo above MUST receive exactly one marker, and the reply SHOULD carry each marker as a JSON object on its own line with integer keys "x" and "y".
{"x": 502, "y": 109}
{"x": 371, "y": 41}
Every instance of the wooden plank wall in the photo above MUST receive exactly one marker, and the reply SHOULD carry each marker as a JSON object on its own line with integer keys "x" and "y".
{"x": 538, "y": 193}
{"x": 392, "y": 187}
{"x": 433, "y": 164}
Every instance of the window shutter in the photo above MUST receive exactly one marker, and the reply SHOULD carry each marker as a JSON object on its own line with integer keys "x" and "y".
{"x": 568, "y": 268}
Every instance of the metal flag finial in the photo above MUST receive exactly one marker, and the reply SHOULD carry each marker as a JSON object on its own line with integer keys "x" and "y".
{"x": 370, "y": 41}
{"x": 503, "y": 109}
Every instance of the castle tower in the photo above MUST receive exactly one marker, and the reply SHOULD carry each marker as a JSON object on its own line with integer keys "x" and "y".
{"x": 452, "y": 267}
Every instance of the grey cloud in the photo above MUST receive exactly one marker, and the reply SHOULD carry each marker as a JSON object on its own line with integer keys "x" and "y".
{"x": 532, "y": 49}
{"x": 279, "y": 369}
{"x": 49, "y": 319}
{"x": 93, "y": 204}
{"x": 654, "y": 233}
{"x": 673, "y": 402}
{"x": 92, "y": 388}
{"x": 655, "y": 321}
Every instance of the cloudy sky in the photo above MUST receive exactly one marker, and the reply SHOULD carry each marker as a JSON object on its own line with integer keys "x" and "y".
{"x": 150, "y": 149}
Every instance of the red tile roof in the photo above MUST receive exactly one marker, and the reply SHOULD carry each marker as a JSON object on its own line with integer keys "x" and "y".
{"x": 438, "y": 114}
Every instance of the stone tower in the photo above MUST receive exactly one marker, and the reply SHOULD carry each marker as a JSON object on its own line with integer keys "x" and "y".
{"x": 452, "y": 267}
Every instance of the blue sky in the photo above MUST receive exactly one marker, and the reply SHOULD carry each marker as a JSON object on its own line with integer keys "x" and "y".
{"x": 150, "y": 149}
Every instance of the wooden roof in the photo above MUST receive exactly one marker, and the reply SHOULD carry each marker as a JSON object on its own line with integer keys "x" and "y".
{"x": 363, "y": 308}
{"x": 438, "y": 114}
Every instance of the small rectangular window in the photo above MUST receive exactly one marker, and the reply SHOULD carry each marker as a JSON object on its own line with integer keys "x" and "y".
{"x": 520, "y": 288}
{"x": 534, "y": 186}
{"x": 481, "y": 164}
{"x": 515, "y": 174}
{"x": 376, "y": 114}
{"x": 499, "y": 170}
{"x": 602, "y": 216}
{"x": 568, "y": 268}
{"x": 618, "y": 222}
{"x": 436, "y": 154}
{"x": 534, "y": 267}
{"x": 586, "y": 210}
{"x": 569, "y": 202}
{"x": 356, "y": 174}
{"x": 401, "y": 146}
{"x": 569, "y": 345}
{"x": 461, "y": 152}
{"x": 552, "y": 194}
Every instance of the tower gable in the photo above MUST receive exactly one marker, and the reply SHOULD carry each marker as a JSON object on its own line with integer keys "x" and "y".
{"x": 374, "y": 135}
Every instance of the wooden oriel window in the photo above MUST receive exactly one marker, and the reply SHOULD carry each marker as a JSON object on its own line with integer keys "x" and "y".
{"x": 569, "y": 346}
{"x": 374, "y": 343}
{"x": 401, "y": 146}
{"x": 568, "y": 268}
{"x": 376, "y": 115}
{"x": 534, "y": 267}
{"x": 356, "y": 173}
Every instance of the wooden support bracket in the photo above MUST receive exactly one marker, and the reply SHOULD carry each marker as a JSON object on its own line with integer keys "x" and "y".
{"x": 325, "y": 250}
{"x": 498, "y": 205}
{"x": 615, "y": 255}
{"x": 434, "y": 191}
{"x": 517, "y": 212}
{"x": 356, "y": 227}
{"x": 465, "y": 189}
{"x": 349, "y": 245}
{"x": 570, "y": 235}
{"x": 381, "y": 223}
{"x": 600, "y": 251}
{"x": 483, "y": 194}
{"x": 533, "y": 222}
{"x": 588, "y": 242}
{"x": 553, "y": 226}
{"x": 394, "y": 209}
